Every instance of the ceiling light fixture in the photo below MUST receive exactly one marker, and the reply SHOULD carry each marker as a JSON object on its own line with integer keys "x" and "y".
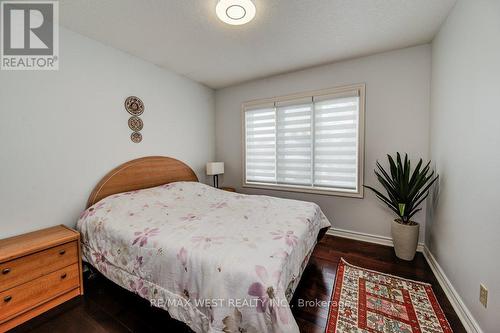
{"x": 235, "y": 12}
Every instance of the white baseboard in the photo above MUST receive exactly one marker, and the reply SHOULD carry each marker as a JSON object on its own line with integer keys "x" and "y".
{"x": 361, "y": 236}
{"x": 470, "y": 324}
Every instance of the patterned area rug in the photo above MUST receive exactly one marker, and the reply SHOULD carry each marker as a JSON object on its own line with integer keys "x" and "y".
{"x": 370, "y": 301}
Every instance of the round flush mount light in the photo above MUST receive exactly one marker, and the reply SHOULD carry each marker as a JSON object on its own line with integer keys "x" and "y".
{"x": 235, "y": 12}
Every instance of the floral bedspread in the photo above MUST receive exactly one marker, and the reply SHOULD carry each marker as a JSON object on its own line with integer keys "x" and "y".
{"x": 216, "y": 260}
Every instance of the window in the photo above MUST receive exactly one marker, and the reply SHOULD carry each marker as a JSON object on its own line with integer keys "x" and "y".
{"x": 311, "y": 142}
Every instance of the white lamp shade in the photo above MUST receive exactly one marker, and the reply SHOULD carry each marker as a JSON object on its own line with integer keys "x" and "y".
{"x": 215, "y": 168}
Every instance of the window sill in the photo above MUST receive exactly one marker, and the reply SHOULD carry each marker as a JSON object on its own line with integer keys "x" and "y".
{"x": 302, "y": 189}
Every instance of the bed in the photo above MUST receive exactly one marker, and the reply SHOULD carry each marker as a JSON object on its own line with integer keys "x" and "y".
{"x": 215, "y": 260}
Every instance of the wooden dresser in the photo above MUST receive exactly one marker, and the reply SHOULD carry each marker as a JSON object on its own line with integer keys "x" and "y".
{"x": 38, "y": 271}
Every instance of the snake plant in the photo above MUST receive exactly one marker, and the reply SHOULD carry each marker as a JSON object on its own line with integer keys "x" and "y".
{"x": 406, "y": 190}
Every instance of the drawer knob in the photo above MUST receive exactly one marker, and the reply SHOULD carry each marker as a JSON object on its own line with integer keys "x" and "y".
{"x": 7, "y": 299}
{"x": 63, "y": 276}
{"x": 62, "y": 252}
{"x": 6, "y": 271}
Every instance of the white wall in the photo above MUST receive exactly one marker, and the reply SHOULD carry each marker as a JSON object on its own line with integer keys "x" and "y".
{"x": 63, "y": 130}
{"x": 397, "y": 119}
{"x": 464, "y": 228}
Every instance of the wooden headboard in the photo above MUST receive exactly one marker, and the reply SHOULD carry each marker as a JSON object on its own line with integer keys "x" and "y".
{"x": 141, "y": 173}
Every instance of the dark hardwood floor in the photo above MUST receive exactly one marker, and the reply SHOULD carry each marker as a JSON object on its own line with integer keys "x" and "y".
{"x": 105, "y": 307}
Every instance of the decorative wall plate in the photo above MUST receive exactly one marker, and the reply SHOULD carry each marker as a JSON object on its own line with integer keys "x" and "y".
{"x": 134, "y": 105}
{"x": 136, "y": 137}
{"x": 135, "y": 123}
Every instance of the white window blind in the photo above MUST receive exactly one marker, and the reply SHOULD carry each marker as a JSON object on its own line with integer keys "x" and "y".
{"x": 335, "y": 142}
{"x": 309, "y": 143}
{"x": 260, "y": 134}
{"x": 294, "y": 148}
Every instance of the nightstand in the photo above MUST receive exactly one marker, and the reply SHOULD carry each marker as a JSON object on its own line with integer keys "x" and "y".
{"x": 38, "y": 271}
{"x": 229, "y": 189}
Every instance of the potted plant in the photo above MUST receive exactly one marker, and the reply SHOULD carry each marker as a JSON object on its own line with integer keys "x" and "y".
{"x": 406, "y": 190}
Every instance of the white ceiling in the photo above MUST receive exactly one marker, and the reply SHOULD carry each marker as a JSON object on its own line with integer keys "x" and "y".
{"x": 185, "y": 36}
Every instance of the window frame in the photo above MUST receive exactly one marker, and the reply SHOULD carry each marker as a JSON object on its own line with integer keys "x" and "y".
{"x": 359, "y": 193}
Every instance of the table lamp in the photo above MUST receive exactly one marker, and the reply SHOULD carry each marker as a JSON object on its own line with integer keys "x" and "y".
{"x": 215, "y": 169}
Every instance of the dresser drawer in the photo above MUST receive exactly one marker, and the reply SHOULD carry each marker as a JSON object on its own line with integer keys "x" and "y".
{"x": 26, "y": 296}
{"x": 27, "y": 268}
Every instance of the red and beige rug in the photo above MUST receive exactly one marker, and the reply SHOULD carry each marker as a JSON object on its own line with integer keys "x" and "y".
{"x": 370, "y": 301}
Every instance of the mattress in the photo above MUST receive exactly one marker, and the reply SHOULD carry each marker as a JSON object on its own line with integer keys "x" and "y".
{"x": 216, "y": 260}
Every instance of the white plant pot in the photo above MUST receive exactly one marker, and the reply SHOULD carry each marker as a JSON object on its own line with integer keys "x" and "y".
{"x": 405, "y": 238}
